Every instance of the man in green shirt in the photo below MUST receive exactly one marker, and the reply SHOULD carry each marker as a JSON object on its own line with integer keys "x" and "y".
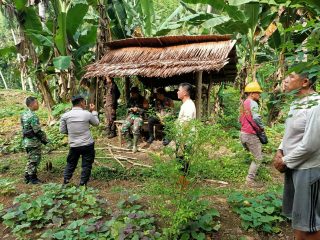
{"x": 33, "y": 137}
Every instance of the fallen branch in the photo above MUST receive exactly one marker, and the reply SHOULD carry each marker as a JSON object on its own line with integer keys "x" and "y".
{"x": 128, "y": 150}
{"x": 137, "y": 164}
{"x": 116, "y": 158}
{"x": 216, "y": 181}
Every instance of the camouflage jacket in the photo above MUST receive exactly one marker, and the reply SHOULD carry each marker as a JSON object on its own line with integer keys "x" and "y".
{"x": 33, "y": 136}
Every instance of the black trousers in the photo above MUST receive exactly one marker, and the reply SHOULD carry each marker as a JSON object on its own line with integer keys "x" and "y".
{"x": 88, "y": 154}
{"x": 151, "y": 122}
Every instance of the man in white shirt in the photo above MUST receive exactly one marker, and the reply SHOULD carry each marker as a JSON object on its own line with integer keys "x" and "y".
{"x": 299, "y": 157}
{"x": 188, "y": 109}
{"x": 186, "y": 114}
{"x": 76, "y": 124}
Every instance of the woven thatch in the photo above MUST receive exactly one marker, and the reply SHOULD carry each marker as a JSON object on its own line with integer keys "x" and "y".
{"x": 164, "y": 59}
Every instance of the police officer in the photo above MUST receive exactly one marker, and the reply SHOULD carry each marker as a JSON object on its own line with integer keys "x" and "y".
{"x": 76, "y": 124}
{"x": 137, "y": 105}
{"x": 111, "y": 97}
{"x": 33, "y": 137}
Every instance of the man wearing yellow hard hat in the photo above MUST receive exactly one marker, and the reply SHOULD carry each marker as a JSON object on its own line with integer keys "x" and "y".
{"x": 251, "y": 122}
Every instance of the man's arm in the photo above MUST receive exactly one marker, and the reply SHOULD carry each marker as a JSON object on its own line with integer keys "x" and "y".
{"x": 63, "y": 125}
{"x": 255, "y": 114}
{"x": 41, "y": 135}
{"x": 94, "y": 119}
{"x": 310, "y": 141}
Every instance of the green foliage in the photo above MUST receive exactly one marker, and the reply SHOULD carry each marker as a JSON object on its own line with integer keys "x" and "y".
{"x": 184, "y": 213}
{"x": 7, "y": 187}
{"x": 77, "y": 213}
{"x": 262, "y": 212}
{"x": 60, "y": 109}
{"x": 203, "y": 223}
{"x": 62, "y": 62}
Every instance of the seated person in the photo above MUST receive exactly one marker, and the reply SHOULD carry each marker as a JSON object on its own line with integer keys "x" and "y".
{"x": 164, "y": 108}
{"x": 137, "y": 105}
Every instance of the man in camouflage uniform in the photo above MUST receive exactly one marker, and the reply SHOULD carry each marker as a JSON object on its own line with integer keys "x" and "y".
{"x": 33, "y": 137}
{"x": 163, "y": 107}
{"x": 137, "y": 105}
{"x": 111, "y": 97}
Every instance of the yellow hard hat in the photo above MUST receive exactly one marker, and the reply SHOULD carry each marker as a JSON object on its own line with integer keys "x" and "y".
{"x": 253, "y": 87}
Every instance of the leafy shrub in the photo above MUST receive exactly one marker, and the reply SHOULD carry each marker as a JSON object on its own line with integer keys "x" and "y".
{"x": 262, "y": 213}
{"x": 202, "y": 224}
{"x": 77, "y": 213}
{"x": 7, "y": 187}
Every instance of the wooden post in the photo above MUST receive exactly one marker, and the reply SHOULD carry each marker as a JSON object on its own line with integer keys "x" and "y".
{"x": 208, "y": 94}
{"x": 127, "y": 88}
{"x": 199, "y": 93}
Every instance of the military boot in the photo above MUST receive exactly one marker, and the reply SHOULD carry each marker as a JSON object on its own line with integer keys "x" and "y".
{"x": 150, "y": 139}
{"x": 128, "y": 140}
{"x": 112, "y": 133}
{"x": 26, "y": 178}
{"x": 34, "y": 179}
{"x": 135, "y": 143}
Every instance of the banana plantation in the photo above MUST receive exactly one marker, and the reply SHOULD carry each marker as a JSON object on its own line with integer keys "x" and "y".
{"x": 194, "y": 119}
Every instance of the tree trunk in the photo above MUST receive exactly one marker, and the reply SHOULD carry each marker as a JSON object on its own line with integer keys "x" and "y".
{"x": 3, "y": 80}
{"x": 42, "y": 12}
{"x": 30, "y": 84}
{"x": 44, "y": 89}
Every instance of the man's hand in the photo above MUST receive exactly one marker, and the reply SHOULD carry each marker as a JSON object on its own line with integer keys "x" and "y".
{"x": 91, "y": 107}
{"x": 278, "y": 162}
{"x": 134, "y": 109}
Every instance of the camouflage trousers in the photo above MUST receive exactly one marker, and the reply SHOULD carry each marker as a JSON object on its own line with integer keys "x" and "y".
{"x": 110, "y": 117}
{"x": 132, "y": 120}
{"x": 34, "y": 158}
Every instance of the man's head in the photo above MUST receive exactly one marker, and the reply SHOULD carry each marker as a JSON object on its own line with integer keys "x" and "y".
{"x": 161, "y": 93}
{"x": 253, "y": 90}
{"x": 78, "y": 101}
{"x": 32, "y": 103}
{"x": 184, "y": 91}
{"x": 108, "y": 79}
{"x": 134, "y": 91}
{"x": 298, "y": 82}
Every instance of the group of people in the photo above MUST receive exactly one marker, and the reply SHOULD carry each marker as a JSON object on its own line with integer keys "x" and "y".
{"x": 137, "y": 107}
{"x": 298, "y": 155}
{"x": 76, "y": 124}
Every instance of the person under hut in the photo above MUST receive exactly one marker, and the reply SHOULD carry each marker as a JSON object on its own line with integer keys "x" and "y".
{"x": 163, "y": 107}
{"x": 137, "y": 105}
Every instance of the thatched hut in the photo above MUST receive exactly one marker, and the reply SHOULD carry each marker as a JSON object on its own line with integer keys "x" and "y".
{"x": 170, "y": 60}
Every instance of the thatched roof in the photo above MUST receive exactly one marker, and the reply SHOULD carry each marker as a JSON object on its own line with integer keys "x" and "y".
{"x": 165, "y": 57}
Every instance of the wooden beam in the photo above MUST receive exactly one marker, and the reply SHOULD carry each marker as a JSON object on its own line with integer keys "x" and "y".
{"x": 127, "y": 88}
{"x": 199, "y": 93}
